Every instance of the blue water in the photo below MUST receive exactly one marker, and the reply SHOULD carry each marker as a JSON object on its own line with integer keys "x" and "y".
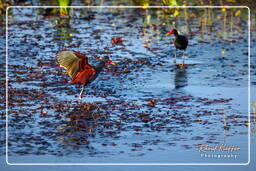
{"x": 209, "y": 74}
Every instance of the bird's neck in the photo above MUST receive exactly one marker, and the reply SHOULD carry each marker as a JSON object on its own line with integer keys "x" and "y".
{"x": 176, "y": 34}
{"x": 99, "y": 67}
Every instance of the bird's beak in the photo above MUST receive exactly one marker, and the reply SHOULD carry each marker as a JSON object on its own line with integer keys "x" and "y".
{"x": 112, "y": 63}
{"x": 168, "y": 34}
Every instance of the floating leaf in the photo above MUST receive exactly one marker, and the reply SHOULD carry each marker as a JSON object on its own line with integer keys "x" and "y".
{"x": 117, "y": 40}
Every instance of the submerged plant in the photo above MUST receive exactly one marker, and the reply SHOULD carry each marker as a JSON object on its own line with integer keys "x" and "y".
{"x": 64, "y": 11}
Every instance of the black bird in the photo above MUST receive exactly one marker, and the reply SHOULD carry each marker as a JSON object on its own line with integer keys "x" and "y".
{"x": 180, "y": 42}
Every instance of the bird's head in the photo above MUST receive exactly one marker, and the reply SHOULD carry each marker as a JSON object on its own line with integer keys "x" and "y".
{"x": 172, "y": 31}
{"x": 106, "y": 59}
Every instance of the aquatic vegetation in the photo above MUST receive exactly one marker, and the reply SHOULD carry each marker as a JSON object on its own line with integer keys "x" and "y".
{"x": 140, "y": 107}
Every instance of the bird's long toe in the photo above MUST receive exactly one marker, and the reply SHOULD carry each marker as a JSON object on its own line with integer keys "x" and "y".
{"x": 80, "y": 98}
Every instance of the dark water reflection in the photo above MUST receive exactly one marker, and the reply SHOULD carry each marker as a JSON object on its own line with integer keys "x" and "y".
{"x": 181, "y": 78}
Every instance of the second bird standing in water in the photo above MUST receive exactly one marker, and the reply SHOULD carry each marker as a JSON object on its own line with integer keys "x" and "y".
{"x": 180, "y": 42}
{"x": 79, "y": 69}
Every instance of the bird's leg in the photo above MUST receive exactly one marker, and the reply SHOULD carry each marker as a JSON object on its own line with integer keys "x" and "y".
{"x": 183, "y": 56}
{"x": 81, "y": 93}
{"x": 174, "y": 60}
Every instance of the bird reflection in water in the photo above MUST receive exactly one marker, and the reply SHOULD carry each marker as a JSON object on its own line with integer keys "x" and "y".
{"x": 180, "y": 79}
{"x": 80, "y": 124}
{"x": 86, "y": 126}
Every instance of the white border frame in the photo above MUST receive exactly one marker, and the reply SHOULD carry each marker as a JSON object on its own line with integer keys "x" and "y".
{"x": 148, "y": 164}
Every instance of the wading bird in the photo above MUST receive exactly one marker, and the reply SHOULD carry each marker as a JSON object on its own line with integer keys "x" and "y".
{"x": 79, "y": 69}
{"x": 180, "y": 42}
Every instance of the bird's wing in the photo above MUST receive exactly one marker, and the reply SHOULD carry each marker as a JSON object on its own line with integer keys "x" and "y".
{"x": 181, "y": 42}
{"x": 71, "y": 61}
{"x": 91, "y": 72}
{"x": 82, "y": 57}
{"x": 85, "y": 76}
